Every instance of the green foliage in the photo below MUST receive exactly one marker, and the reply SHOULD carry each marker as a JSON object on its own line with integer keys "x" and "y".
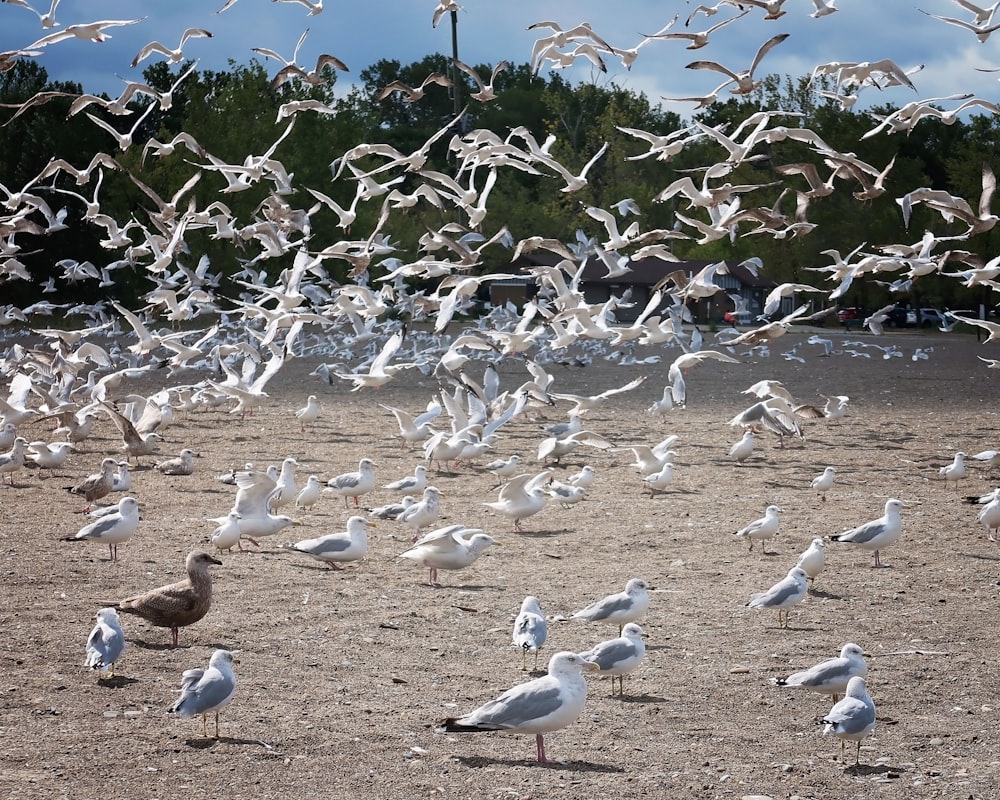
{"x": 234, "y": 113}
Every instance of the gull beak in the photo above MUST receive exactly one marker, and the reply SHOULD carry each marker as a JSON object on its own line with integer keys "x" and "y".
{"x": 592, "y": 665}
{"x": 296, "y": 522}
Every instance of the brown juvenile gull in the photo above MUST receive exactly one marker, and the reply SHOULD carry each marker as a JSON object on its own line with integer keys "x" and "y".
{"x": 539, "y": 706}
{"x": 177, "y": 604}
{"x": 134, "y": 444}
{"x": 98, "y": 485}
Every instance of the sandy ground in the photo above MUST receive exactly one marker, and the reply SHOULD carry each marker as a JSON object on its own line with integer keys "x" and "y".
{"x": 343, "y": 675}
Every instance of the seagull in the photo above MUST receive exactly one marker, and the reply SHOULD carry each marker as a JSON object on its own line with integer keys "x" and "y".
{"x": 853, "y": 717}
{"x": 659, "y": 481}
{"x": 410, "y": 483}
{"x": 174, "y": 56}
{"x": 95, "y": 486}
{"x": 254, "y": 492}
{"x": 764, "y": 528}
{"x": 450, "y": 547}
{"x": 134, "y": 443}
{"x": 353, "y": 484}
{"x": 504, "y": 467}
{"x": 285, "y": 489}
{"x": 177, "y": 604}
{"x": 309, "y": 412}
{"x": 48, "y": 456}
{"x": 593, "y": 401}
{"x": 204, "y": 691}
{"x": 742, "y": 450}
{"x": 787, "y": 592}
{"x": 521, "y": 497}
{"x": 584, "y": 478}
{"x": 530, "y": 629}
{"x": 412, "y": 94}
{"x": 182, "y": 465}
{"x": 485, "y": 92}
{"x": 745, "y": 84}
{"x": 618, "y": 657}
{"x": 423, "y": 512}
{"x": 812, "y": 559}
{"x": 227, "y": 533}
{"x": 539, "y": 706}
{"x": 823, "y": 482}
{"x": 13, "y": 460}
{"x": 877, "y": 534}
{"x": 310, "y": 493}
{"x": 112, "y": 528}
{"x": 106, "y": 642}
{"x": 337, "y": 548}
{"x": 990, "y": 515}
{"x": 626, "y": 606}
{"x": 832, "y": 675}
{"x": 954, "y": 472}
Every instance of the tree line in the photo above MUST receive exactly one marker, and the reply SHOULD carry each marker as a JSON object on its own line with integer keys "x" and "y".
{"x": 235, "y": 112}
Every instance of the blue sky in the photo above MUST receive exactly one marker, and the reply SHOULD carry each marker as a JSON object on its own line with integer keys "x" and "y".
{"x": 489, "y": 31}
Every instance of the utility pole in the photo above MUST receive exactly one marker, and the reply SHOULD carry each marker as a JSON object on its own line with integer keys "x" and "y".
{"x": 456, "y": 81}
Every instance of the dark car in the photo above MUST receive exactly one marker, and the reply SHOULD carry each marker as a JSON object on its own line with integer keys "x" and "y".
{"x": 898, "y": 318}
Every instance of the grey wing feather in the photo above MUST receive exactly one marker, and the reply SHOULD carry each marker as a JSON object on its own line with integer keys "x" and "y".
{"x": 516, "y": 707}
{"x": 607, "y": 654}
{"x": 602, "y": 609}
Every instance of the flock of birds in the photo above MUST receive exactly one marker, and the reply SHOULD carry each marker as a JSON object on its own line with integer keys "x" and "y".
{"x": 79, "y": 377}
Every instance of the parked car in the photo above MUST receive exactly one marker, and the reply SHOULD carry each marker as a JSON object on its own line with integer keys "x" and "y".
{"x": 845, "y": 314}
{"x": 926, "y": 317}
{"x": 898, "y": 318}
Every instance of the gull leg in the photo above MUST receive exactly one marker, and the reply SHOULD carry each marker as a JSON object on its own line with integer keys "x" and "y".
{"x": 857, "y": 757}
{"x": 540, "y": 748}
{"x": 216, "y": 724}
{"x": 204, "y": 725}
{"x": 174, "y": 634}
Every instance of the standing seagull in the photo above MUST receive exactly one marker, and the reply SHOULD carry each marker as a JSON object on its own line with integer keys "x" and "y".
{"x": 832, "y": 675}
{"x": 353, "y": 484}
{"x": 618, "y": 657}
{"x": 764, "y": 528}
{"x": 789, "y": 591}
{"x": 812, "y": 559}
{"x": 451, "y": 547}
{"x": 98, "y": 485}
{"x": 853, "y": 717}
{"x": 114, "y": 528}
{"x": 742, "y": 450}
{"x": 309, "y": 412}
{"x": 530, "y": 629}
{"x": 877, "y": 534}
{"x": 626, "y": 606}
{"x": 204, "y": 691}
{"x": 955, "y": 471}
{"x": 337, "y": 548}
{"x": 823, "y": 482}
{"x": 106, "y": 642}
{"x": 539, "y": 706}
{"x": 177, "y": 604}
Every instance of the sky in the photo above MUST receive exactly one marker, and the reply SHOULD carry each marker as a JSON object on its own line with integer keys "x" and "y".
{"x": 361, "y": 33}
